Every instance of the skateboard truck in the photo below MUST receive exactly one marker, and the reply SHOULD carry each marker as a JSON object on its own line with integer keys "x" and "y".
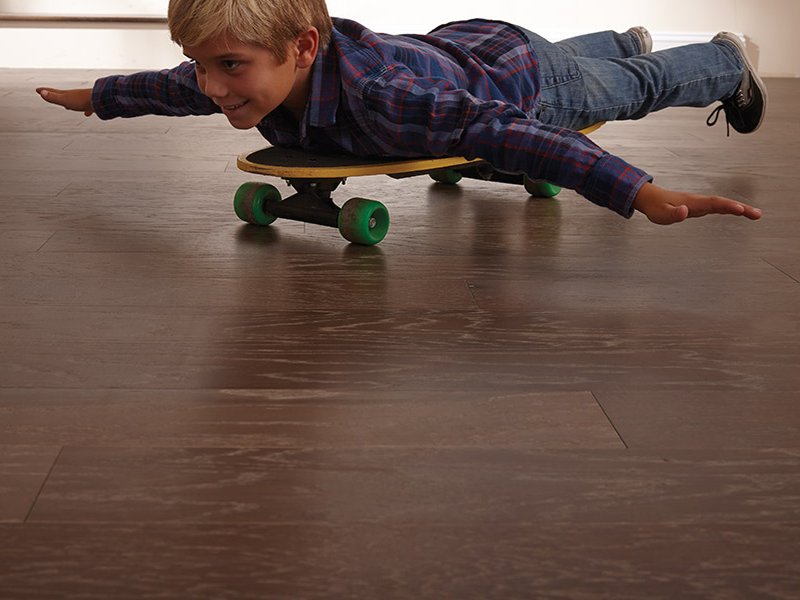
{"x": 311, "y": 204}
{"x": 359, "y": 220}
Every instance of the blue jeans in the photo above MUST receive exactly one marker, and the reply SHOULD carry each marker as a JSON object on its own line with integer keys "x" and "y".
{"x": 603, "y": 77}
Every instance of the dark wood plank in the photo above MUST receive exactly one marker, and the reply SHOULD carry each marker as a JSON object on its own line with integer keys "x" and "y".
{"x": 435, "y": 486}
{"x": 319, "y": 560}
{"x": 204, "y": 345}
{"x": 709, "y": 420}
{"x": 304, "y": 418}
{"x": 23, "y": 472}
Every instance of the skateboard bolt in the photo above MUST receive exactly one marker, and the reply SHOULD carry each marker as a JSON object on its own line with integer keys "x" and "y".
{"x": 373, "y": 222}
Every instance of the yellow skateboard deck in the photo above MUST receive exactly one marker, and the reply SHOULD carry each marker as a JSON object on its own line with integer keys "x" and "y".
{"x": 289, "y": 163}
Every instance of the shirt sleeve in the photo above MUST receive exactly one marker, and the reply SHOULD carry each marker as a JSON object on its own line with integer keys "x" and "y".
{"x": 415, "y": 119}
{"x": 173, "y": 92}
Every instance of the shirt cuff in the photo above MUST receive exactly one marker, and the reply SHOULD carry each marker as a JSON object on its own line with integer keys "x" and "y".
{"x": 104, "y": 102}
{"x": 613, "y": 183}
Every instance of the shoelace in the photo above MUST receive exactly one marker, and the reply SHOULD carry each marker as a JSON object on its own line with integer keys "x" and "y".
{"x": 714, "y": 117}
{"x": 738, "y": 99}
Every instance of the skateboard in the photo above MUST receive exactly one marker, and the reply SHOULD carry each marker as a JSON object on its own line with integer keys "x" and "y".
{"x": 315, "y": 177}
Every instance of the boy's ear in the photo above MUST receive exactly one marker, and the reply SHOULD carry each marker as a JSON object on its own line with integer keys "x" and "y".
{"x": 307, "y": 46}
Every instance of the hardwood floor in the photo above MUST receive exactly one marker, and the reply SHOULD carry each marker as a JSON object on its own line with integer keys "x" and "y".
{"x": 507, "y": 398}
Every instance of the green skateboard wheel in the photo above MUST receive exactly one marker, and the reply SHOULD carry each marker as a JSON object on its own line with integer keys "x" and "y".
{"x": 449, "y": 177}
{"x": 539, "y": 188}
{"x": 250, "y": 200}
{"x": 363, "y": 221}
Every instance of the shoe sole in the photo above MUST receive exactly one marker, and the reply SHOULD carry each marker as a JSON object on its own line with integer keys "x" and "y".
{"x": 645, "y": 39}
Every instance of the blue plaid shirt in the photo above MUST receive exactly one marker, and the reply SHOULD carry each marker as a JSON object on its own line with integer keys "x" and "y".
{"x": 466, "y": 89}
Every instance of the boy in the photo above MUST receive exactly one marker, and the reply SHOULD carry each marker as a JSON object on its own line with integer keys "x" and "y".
{"x": 479, "y": 89}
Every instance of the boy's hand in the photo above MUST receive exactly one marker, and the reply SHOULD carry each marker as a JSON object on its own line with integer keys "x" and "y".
{"x": 666, "y": 207}
{"x": 80, "y": 100}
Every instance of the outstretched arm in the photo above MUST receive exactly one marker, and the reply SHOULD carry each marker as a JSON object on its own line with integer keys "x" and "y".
{"x": 80, "y": 100}
{"x": 172, "y": 92}
{"x": 666, "y": 207}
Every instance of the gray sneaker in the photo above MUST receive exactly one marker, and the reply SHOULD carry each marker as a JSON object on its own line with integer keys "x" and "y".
{"x": 745, "y": 110}
{"x": 644, "y": 38}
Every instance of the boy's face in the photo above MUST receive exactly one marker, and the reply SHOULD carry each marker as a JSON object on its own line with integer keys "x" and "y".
{"x": 248, "y": 82}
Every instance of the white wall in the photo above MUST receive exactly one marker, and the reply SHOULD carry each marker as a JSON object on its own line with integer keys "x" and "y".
{"x": 768, "y": 24}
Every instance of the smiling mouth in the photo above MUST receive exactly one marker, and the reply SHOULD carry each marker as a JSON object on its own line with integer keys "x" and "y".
{"x": 232, "y": 107}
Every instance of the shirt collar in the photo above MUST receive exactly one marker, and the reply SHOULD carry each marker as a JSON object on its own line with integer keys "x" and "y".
{"x": 323, "y": 101}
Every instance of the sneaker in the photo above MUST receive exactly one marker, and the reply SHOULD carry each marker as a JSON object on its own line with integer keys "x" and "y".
{"x": 745, "y": 110}
{"x": 644, "y": 37}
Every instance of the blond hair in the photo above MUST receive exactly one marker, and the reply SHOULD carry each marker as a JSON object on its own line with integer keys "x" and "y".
{"x": 271, "y": 24}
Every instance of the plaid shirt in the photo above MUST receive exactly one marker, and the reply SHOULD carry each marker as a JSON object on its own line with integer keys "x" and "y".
{"x": 466, "y": 89}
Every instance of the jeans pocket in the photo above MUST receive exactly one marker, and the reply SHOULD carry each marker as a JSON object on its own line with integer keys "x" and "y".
{"x": 556, "y": 67}
{"x": 563, "y": 90}
{"x": 562, "y": 103}
{"x": 563, "y": 73}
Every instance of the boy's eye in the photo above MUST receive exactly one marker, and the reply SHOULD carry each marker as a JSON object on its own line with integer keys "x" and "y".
{"x": 230, "y": 65}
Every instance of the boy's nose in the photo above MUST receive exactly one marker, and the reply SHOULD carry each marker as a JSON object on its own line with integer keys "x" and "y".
{"x": 213, "y": 87}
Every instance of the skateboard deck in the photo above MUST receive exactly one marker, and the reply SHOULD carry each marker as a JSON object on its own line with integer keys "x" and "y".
{"x": 316, "y": 176}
